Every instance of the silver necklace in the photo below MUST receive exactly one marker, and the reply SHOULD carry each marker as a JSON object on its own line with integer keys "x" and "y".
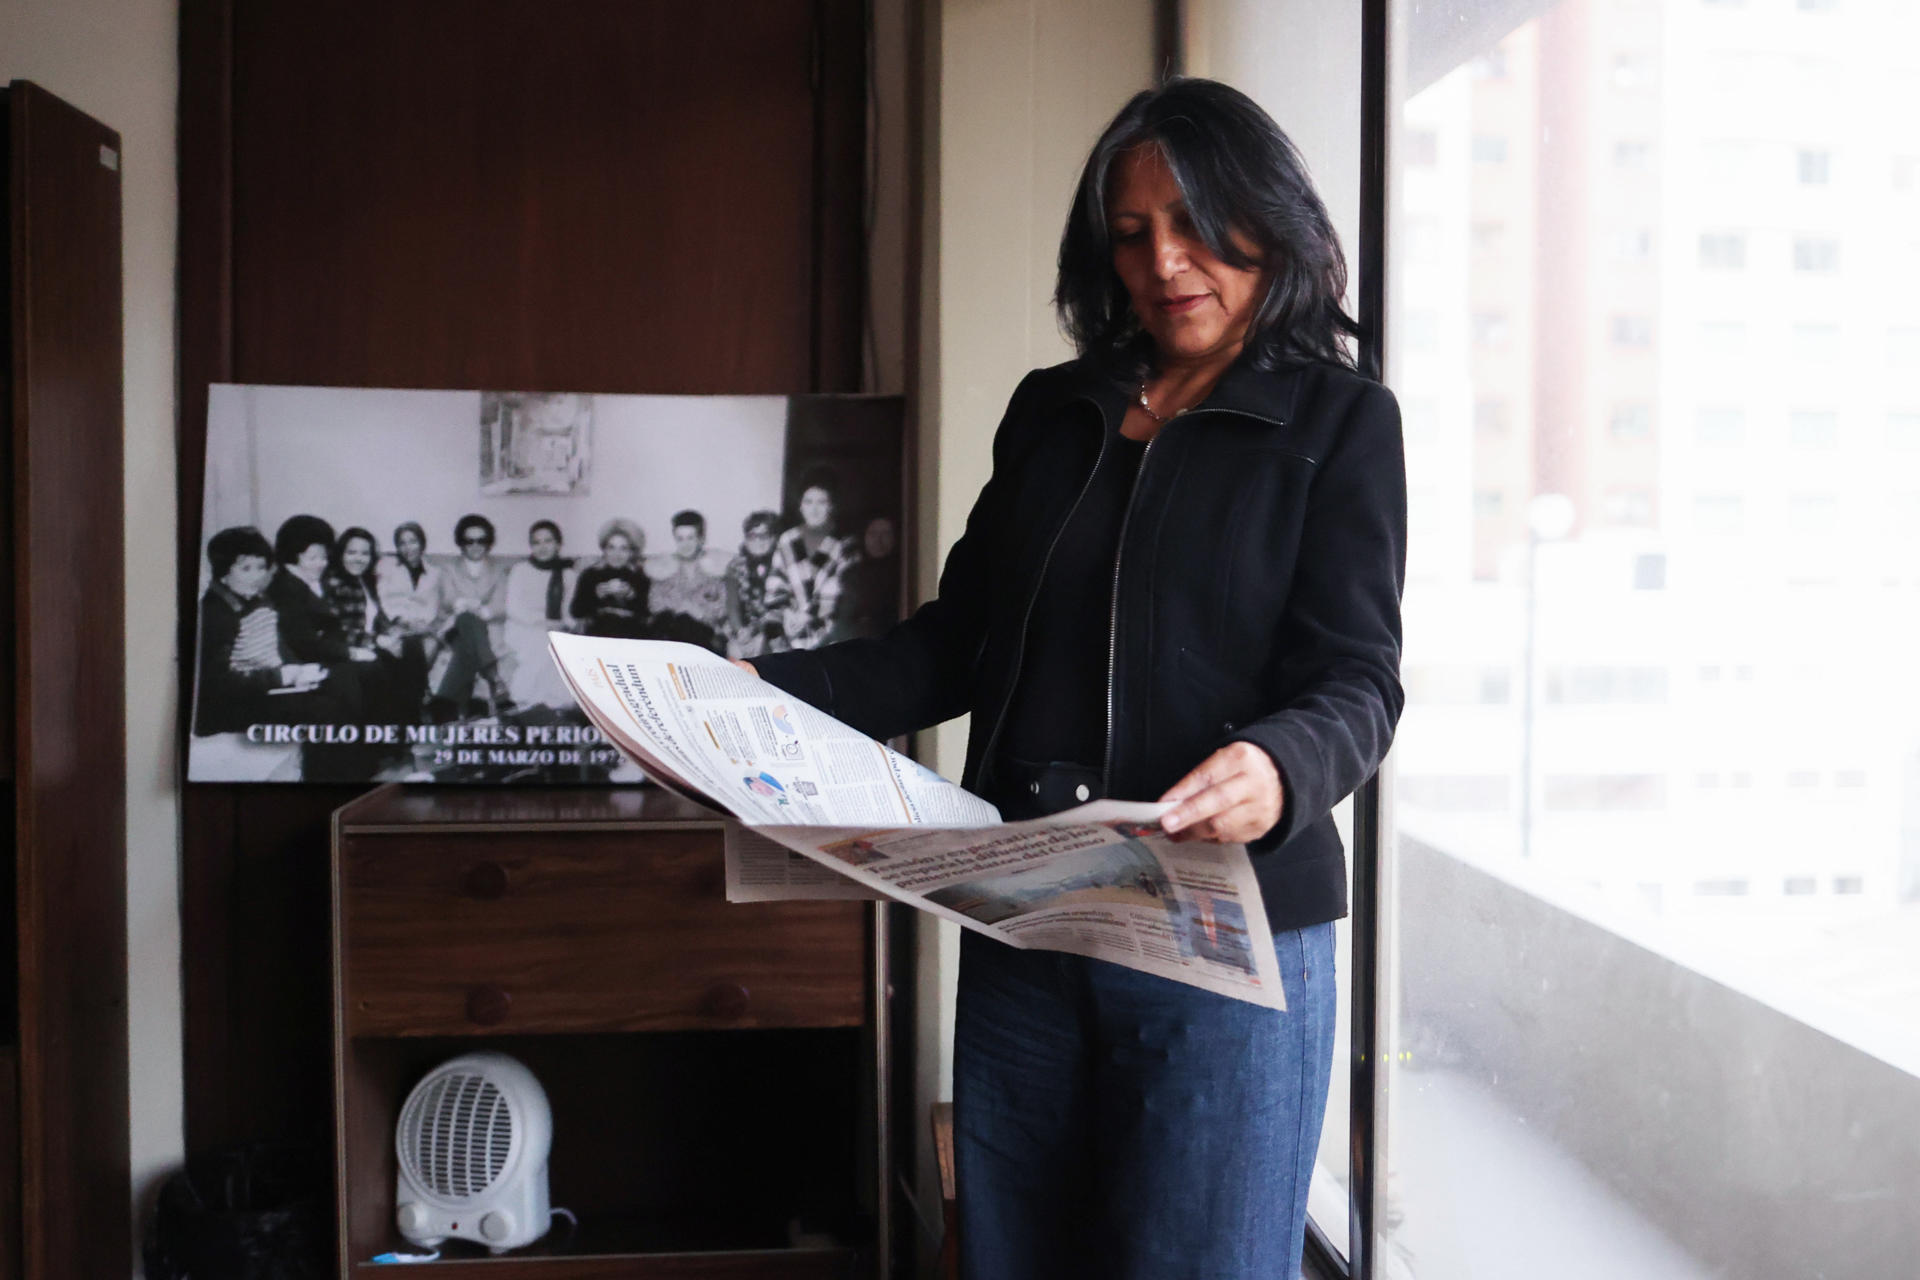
{"x": 1149, "y": 408}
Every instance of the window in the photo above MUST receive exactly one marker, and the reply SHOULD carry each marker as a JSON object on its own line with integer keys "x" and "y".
{"x": 1488, "y": 503}
{"x": 1817, "y": 343}
{"x": 1490, "y": 328}
{"x": 1723, "y": 250}
{"x": 1489, "y": 236}
{"x": 1456, "y": 793}
{"x": 1634, "y": 245}
{"x": 1817, "y": 6}
{"x": 1634, "y": 154}
{"x": 1726, "y": 162}
{"x": 1632, "y": 72}
{"x": 1631, "y": 421}
{"x": 1593, "y": 685}
{"x": 1813, "y": 428}
{"x": 1719, "y": 513}
{"x": 1489, "y": 148}
{"x": 1419, "y": 148}
{"x": 1903, "y": 349}
{"x": 1719, "y": 425}
{"x": 1491, "y": 417}
{"x": 1812, "y": 512}
{"x": 1627, "y": 507}
{"x": 1458, "y": 684}
{"x": 1723, "y": 339}
{"x": 1608, "y": 791}
{"x": 1491, "y": 65}
{"x": 1712, "y": 308}
{"x": 1633, "y": 331}
{"x": 1422, "y": 330}
{"x": 1816, "y": 253}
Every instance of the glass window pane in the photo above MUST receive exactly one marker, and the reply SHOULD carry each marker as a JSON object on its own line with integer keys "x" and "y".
{"x": 1654, "y": 960}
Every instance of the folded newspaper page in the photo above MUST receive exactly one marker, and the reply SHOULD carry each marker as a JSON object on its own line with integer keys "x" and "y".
{"x": 825, "y": 811}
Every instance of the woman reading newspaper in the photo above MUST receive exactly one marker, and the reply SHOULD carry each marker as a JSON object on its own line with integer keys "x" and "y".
{"x": 1182, "y": 582}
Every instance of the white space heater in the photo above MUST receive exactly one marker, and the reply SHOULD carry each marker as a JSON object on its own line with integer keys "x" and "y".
{"x": 473, "y": 1141}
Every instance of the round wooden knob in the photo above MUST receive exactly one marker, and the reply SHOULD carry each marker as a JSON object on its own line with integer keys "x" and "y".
{"x": 725, "y": 1000}
{"x": 485, "y": 880}
{"x": 488, "y": 1005}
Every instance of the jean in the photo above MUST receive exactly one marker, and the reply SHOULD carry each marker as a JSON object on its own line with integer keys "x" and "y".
{"x": 1112, "y": 1124}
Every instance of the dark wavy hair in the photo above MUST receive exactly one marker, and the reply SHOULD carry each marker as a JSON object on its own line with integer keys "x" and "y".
{"x": 1238, "y": 172}
{"x": 472, "y": 521}
{"x": 228, "y": 545}
{"x": 336, "y": 557}
{"x": 297, "y": 533}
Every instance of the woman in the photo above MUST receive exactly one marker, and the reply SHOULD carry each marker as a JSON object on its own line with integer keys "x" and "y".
{"x": 810, "y": 563}
{"x": 752, "y": 628}
{"x": 611, "y": 597}
{"x": 245, "y": 677}
{"x": 410, "y": 591}
{"x": 538, "y": 589}
{"x": 355, "y": 596}
{"x": 1181, "y": 582}
{"x": 473, "y": 595}
{"x": 310, "y": 631}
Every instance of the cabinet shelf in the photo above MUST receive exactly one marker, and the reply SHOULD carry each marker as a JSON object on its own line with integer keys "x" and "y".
{"x": 688, "y": 1132}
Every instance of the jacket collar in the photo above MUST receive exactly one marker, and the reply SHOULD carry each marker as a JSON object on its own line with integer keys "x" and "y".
{"x": 1267, "y": 396}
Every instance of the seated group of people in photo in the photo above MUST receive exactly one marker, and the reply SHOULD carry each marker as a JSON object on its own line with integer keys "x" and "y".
{"x": 319, "y": 627}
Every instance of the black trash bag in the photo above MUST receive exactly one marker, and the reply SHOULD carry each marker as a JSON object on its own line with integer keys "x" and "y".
{"x": 252, "y": 1212}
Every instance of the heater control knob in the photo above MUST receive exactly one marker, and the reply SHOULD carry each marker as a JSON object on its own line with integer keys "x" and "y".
{"x": 412, "y": 1220}
{"x": 497, "y": 1225}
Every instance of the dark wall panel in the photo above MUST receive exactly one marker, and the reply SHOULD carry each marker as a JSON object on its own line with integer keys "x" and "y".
{"x": 601, "y": 195}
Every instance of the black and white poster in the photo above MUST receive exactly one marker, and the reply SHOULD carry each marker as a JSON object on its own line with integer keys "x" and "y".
{"x": 380, "y": 569}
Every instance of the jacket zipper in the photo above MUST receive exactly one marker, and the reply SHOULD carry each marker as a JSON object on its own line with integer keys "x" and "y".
{"x": 1113, "y": 612}
{"x": 1026, "y": 616}
{"x": 1119, "y": 551}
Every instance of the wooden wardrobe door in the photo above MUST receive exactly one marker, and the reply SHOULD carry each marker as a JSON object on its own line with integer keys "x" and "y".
{"x": 68, "y": 681}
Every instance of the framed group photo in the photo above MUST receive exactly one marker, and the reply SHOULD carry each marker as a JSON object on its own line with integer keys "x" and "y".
{"x": 380, "y": 569}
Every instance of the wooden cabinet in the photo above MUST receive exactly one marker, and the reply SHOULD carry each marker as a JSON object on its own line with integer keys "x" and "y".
{"x": 716, "y": 1071}
{"x": 63, "y": 948}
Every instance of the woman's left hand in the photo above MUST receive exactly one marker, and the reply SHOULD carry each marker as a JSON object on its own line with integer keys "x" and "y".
{"x": 1232, "y": 797}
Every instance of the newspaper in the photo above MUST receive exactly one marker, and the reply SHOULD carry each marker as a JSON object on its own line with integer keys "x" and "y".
{"x": 825, "y": 812}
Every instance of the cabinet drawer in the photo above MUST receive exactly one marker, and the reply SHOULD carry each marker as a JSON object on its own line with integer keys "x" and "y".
{"x": 504, "y": 933}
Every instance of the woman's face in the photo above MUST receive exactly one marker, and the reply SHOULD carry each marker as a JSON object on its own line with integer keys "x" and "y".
{"x": 879, "y": 539}
{"x": 1193, "y": 305}
{"x": 759, "y": 540}
{"x": 816, "y": 508}
{"x": 544, "y": 545}
{"x": 249, "y": 575}
{"x": 474, "y": 543}
{"x": 619, "y": 550}
{"x": 312, "y": 560}
{"x": 356, "y": 557}
{"x": 410, "y": 546}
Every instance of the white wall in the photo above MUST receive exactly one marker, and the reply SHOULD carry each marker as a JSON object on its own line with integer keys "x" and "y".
{"x": 1017, "y": 92}
{"x": 117, "y": 61}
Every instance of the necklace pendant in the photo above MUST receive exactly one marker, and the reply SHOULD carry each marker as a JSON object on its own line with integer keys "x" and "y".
{"x": 1150, "y": 410}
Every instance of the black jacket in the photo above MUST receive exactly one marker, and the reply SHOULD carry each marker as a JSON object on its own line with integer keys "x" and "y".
{"x": 1257, "y": 599}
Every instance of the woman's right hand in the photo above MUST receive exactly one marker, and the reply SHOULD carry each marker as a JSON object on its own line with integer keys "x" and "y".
{"x": 746, "y": 666}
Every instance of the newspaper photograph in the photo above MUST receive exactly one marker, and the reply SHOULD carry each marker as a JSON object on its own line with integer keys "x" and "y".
{"x": 1102, "y": 880}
